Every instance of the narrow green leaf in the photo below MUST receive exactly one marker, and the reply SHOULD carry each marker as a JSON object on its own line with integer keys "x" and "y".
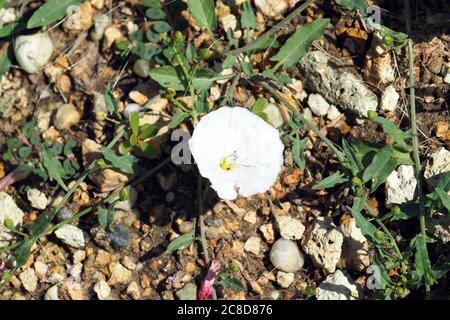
{"x": 54, "y": 168}
{"x": 204, "y": 13}
{"x": 147, "y": 131}
{"x": 297, "y": 152}
{"x": 178, "y": 118}
{"x": 331, "y": 181}
{"x": 229, "y": 282}
{"x": 248, "y": 17}
{"x": 102, "y": 216}
{"x": 183, "y": 240}
{"x": 360, "y": 5}
{"x": 422, "y": 260}
{"x": 380, "y": 168}
{"x": 51, "y": 11}
{"x": 5, "y": 63}
{"x": 110, "y": 100}
{"x": 134, "y": 123}
{"x": 125, "y": 163}
{"x": 367, "y": 228}
{"x": 393, "y": 132}
{"x": 298, "y": 44}
{"x": 172, "y": 77}
{"x": 11, "y": 29}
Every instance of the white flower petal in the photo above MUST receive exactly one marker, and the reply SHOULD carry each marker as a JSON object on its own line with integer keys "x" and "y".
{"x": 248, "y": 143}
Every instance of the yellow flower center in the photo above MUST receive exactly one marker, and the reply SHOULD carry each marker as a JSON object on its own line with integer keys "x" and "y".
{"x": 225, "y": 165}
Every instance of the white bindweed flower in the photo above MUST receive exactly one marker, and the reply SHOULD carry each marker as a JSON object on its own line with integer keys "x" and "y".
{"x": 235, "y": 148}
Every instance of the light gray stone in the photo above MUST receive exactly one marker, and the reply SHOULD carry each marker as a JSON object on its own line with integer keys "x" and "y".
{"x": 318, "y": 105}
{"x": 389, "y": 99}
{"x": 290, "y": 228}
{"x": 337, "y": 286}
{"x": 8, "y": 210}
{"x": 401, "y": 186}
{"x": 33, "y": 51}
{"x": 71, "y": 236}
{"x": 436, "y": 166}
{"x": 286, "y": 256}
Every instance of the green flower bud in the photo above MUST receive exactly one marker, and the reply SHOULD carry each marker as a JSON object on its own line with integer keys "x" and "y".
{"x": 124, "y": 194}
{"x": 310, "y": 291}
{"x": 356, "y": 182}
{"x": 178, "y": 37}
{"x": 170, "y": 93}
{"x": 100, "y": 116}
{"x": 396, "y": 211}
{"x": 100, "y": 163}
{"x": 205, "y": 53}
{"x": 379, "y": 235}
{"x": 400, "y": 291}
{"x": 429, "y": 279}
{"x": 9, "y": 224}
{"x": 372, "y": 115}
{"x": 389, "y": 40}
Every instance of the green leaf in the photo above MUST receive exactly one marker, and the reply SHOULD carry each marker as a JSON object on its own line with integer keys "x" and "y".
{"x": 147, "y": 150}
{"x": 380, "y": 168}
{"x": 183, "y": 240}
{"x": 51, "y": 11}
{"x": 162, "y": 27}
{"x": 352, "y": 161}
{"x": 298, "y": 44}
{"x": 331, "y": 181}
{"x": 102, "y": 216}
{"x": 147, "y": 131}
{"x": 360, "y": 5}
{"x": 229, "y": 61}
{"x": 393, "y": 132}
{"x": 422, "y": 260}
{"x": 258, "y": 108}
{"x": 69, "y": 146}
{"x": 367, "y": 228}
{"x": 5, "y": 63}
{"x": 204, "y": 13}
{"x": 262, "y": 43}
{"x": 134, "y": 123}
{"x": 248, "y": 17}
{"x": 152, "y": 3}
{"x": 445, "y": 199}
{"x": 178, "y": 118}
{"x": 155, "y": 13}
{"x": 125, "y": 163}
{"x": 12, "y": 28}
{"x": 201, "y": 104}
{"x": 297, "y": 152}
{"x": 53, "y": 167}
{"x": 246, "y": 67}
{"x": 173, "y": 77}
{"x": 110, "y": 100}
{"x": 229, "y": 282}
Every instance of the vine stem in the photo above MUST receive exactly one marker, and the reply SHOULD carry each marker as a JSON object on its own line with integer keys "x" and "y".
{"x": 305, "y": 121}
{"x": 415, "y": 140}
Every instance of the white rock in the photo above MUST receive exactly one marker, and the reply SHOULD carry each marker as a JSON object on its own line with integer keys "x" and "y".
{"x": 128, "y": 204}
{"x": 333, "y": 113}
{"x": 37, "y": 199}
{"x": 251, "y": 217}
{"x": 337, "y": 286}
{"x": 286, "y": 256}
{"x": 446, "y": 76}
{"x": 436, "y": 166}
{"x": 389, "y": 99}
{"x": 274, "y": 115}
{"x": 356, "y": 247}
{"x": 338, "y": 87}
{"x": 285, "y": 279}
{"x": 132, "y": 107}
{"x": 323, "y": 243}
{"x": 33, "y": 52}
{"x": 40, "y": 269}
{"x": 102, "y": 290}
{"x": 101, "y": 22}
{"x": 318, "y": 105}
{"x": 252, "y": 245}
{"x": 29, "y": 279}
{"x": 71, "y": 236}
{"x": 8, "y": 210}
{"x": 401, "y": 186}
{"x": 225, "y": 72}
{"x": 52, "y": 293}
{"x": 67, "y": 116}
{"x": 7, "y": 15}
{"x": 134, "y": 291}
{"x": 228, "y": 22}
{"x": 274, "y": 8}
{"x": 290, "y": 228}
{"x": 439, "y": 226}
{"x": 215, "y": 93}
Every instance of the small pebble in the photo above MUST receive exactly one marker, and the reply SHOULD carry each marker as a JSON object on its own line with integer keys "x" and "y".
{"x": 285, "y": 279}
{"x": 252, "y": 245}
{"x": 33, "y": 51}
{"x": 186, "y": 226}
{"x": 286, "y": 256}
{"x": 67, "y": 116}
{"x": 102, "y": 290}
{"x": 52, "y": 293}
{"x": 141, "y": 68}
{"x": 119, "y": 237}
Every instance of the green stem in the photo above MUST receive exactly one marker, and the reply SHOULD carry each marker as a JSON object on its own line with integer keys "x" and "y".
{"x": 415, "y": 140}
{"x": 273, "y": 31}
{"x": 305, "y": 121}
